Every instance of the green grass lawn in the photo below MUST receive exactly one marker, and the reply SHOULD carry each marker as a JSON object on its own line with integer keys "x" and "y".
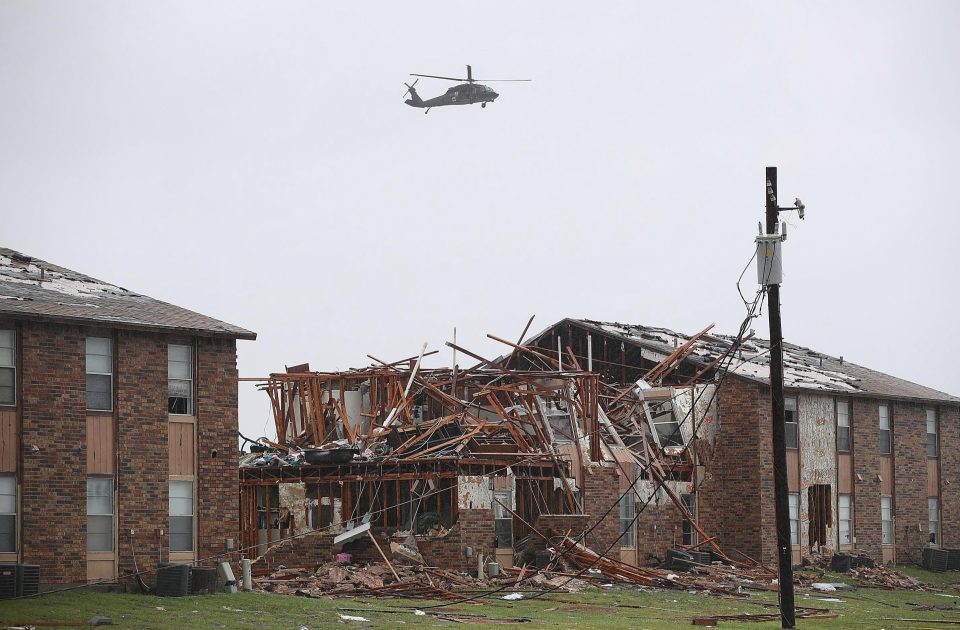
{"x": 602, "y": 609}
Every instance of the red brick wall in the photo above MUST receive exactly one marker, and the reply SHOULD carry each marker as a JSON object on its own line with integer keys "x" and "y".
{"x": 142, "y": 443}
{"x": 659, "y": 528}
{"x": 218, "y": 502}
{"x": 735, "y": 499}
{"x": 950, "y": 475}
{"x": 54, "y": 477}
{"x": 910, "y": 466}
{"x": 601, "y": 489}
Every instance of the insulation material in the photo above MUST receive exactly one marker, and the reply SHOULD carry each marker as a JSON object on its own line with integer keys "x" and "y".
{"x": 293, "y": 498}
{"x": 703, "y": 401}
{"x": 474, "y": 492}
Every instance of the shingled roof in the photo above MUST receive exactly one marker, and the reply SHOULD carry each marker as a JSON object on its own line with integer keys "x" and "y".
{"x": 31, "y": 288}
{"x": 803, "y": 368}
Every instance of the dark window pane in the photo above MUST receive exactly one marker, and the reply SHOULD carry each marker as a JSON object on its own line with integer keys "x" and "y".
{"x": 884, "y": 441}
{"x": 931, "y": 444}
{"x": 99, "y": 395}
{"x": 843, "y": 439}
{"x": 181, "y": 533}
{"x": 8, "y": 532}
{"x": 669, "y": 433}
{"x": 180, "y": 397}
{"x": 7, "y": 389}
{"x": 99, "y": 533}
{"x": 504, "y": 528}
{"x": 792, "y": 435}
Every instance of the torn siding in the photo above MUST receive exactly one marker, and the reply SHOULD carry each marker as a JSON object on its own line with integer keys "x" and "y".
{"x": 703, "y": 400}
{"x": 818, "y": 460}
{"x": 293, "y": 497}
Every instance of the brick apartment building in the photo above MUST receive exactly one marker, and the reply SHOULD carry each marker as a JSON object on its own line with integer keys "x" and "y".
{"x": 118, "y": 426}
{"x": 873, "y": 460}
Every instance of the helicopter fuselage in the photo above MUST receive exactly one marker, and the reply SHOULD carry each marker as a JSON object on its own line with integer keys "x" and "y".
{"x": 463, "y": 94}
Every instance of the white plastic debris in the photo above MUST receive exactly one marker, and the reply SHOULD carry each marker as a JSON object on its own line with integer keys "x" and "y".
{"x": 672, "y": 576}
{"x": 420, "y": 613}
{"x": 351, "y": 618}
{"x": 824, "y": 587}
{"x": 513, "y": 596}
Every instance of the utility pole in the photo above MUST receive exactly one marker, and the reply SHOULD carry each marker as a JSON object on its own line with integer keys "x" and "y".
{"x": 781, "y": 490}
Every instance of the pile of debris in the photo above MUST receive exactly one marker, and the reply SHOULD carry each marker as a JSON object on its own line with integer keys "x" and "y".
{"x": 887, "y": 578}
{"x": 374, "y": 579}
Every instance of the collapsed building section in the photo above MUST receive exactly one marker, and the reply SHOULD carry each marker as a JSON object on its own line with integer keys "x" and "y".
{"x": 457, "y": 467}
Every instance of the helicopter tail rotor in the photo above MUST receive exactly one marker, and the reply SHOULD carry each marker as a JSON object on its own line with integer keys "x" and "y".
{"x": 414, "y": 99}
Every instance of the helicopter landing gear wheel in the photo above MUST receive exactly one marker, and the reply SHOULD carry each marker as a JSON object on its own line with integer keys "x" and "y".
{"x": 483, "y": 104}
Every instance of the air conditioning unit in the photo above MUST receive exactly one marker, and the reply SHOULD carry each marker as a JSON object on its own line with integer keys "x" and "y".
{"x": 8, "y": 581}
{"x": 18, "y": 580}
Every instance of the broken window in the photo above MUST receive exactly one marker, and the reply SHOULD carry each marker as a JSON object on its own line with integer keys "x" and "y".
{"x": 8, "y": 367}
{"x": 932, "y": 441}
{"x": 181, "y": 516}
{"x": 794, "y": 503}
{"x": 180, "y": 380}
{"x": 8, "y": 513}
{"x": 886, "y": 520}
{"x": 689, "y": 534}
{"x": 885, "y": 432}
{"x": 100, "y": 514}
{"x": 843, "y": 426}
{"x": 559, "y": 419}
{"x": 665, "y": 424}
{"x": 845, "y": 518}
{"x": 503, "y": 519}
{"x": 99, "y": 373}
{"x": 791, "y": 429}
{"x": 627, "y": 515}
{"x": 933, "y": 516}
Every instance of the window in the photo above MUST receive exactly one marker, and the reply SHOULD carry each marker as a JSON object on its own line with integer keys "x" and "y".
{"x": 932, "y": 445}
{"x": 181, "y": 516}
{"x": 790, "y": 426}
{"x": 180, "y": 380}
{"x": 885, "y": 441}
{"x": 845, "y": 519}
{"x": 666, "y": 426}
{"x": 627, "y": 514}
{"x": 8, "y": 513}
{"x": 99, "y": 373}
{"x": 100, "y": 514}
{"x": 689, "y": 534}
{"x": 794, "y": 502}
{"x": 843, "y": 426}
{"x": 503, "y": 520}
{"x": 8, "y": 367}
{"x": 886, "y": 520}
{"x": 933, "y": 510}
{"x": 559, "y": 419}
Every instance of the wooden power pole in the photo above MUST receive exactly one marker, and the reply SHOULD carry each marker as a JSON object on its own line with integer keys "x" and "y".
{"x": 781, "y": 490}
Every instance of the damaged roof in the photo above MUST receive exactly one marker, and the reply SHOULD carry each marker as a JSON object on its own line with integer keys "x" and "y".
{"x": 35, "y": 289}
{"x": 803, "y": 368}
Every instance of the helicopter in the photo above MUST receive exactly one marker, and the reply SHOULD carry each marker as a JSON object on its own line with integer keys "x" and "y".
{"x": 464, "y": 94}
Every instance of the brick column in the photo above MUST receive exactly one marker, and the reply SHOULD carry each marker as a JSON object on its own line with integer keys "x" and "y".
{"x": 601, "y": 490}
{"x": 218, "y": 490}
{"x": 910, "y": 490}
{"x": 54, "y": 501}
{"x": 950, "y": 475}
{"x": 143, "y": 449}
{"x": 866, "y": 468}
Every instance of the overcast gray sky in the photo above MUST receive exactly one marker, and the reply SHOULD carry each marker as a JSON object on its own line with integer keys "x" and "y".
{"x": 255, "y": 162}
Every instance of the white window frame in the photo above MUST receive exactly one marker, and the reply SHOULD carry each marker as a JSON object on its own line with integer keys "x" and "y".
{"x": 179, "y": 513}
{"x": 886, "y": 520}
{"x": 845, "y": 519}
{"x": 99, "y": 515}
{"x": 8, "y": 508}
{"x": 793, "y": 506}
{"x": 688, "y": 533}
{"x": 933, "y": 519}
{"x": 843, "y": 422}
{"x": 933, "y": 434}
{"x": 791, "y": 430}
{"x": 886, "y": 425}
{"x": 628, "y": 509}
{"x": 501, "y": 515}
{"x": 109, "y": 356}
{"x": 191, "y": 400}
{"x": 8, "y": 361}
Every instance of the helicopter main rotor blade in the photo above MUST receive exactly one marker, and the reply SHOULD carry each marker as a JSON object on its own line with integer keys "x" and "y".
{"x": 499, "y": 80}
{"x": 433, "y": 76}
